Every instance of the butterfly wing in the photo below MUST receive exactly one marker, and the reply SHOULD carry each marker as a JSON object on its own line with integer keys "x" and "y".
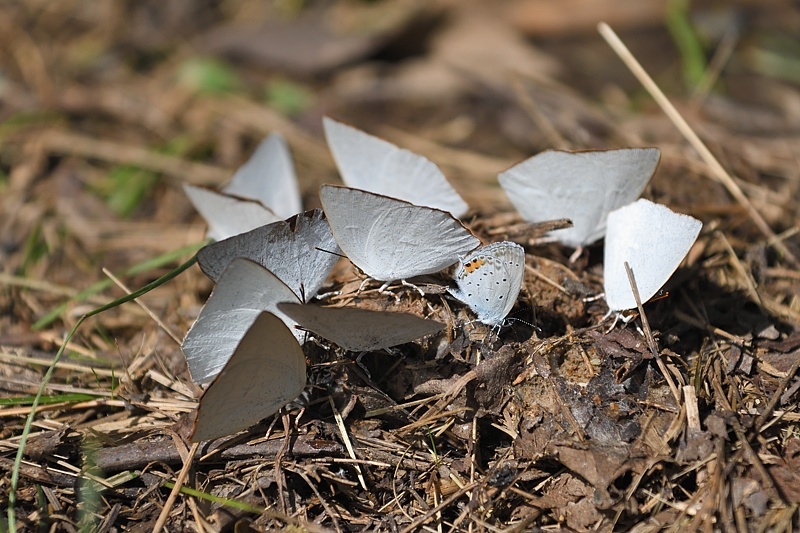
{"x": 227, "y": 215}
{"x": 266, "y": 371}
{"x": 489, "y": 280}
{"x": 269, "y": 177}
{"x": 243, "y": 291}
{"x": 301, "y": 251}
{"x": 653, "y": 240}
{"x": 360, "y": 330}
{"x": 372, "y": 164}
{"x": 390, "y": 239}
{"x": 582, "y": 186}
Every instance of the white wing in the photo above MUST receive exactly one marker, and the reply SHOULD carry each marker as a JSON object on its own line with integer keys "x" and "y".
{"x": 581, "y": 186}
{"x": 361, "y": 330}
{"x": 372, "y": 164}
{"x": 243, "y": 291}
{"x": 269, "y": 177}
{"x": 227, "y": 215}
{"x": 390, "y": 239}
{"x": 291, "y": 249}
{"x": 653, "y": 240}
{"x": 266, "y": 371}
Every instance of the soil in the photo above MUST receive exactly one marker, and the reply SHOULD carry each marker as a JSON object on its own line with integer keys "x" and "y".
{"x": 559, "y": 420}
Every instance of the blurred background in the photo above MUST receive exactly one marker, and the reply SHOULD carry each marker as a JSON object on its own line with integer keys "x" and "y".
{"x": 125, "y": 100}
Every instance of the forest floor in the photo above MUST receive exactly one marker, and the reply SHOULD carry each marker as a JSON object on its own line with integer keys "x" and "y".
{"x": 108, "y": 107}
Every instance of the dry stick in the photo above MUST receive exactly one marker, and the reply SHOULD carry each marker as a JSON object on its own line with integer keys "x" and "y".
{"x": 770, "y": 407}
{"x": 44, "y": 286}
{"x": 544, "y": 278}
{"x": 321, "y": 499}
{"x": 6, "y": 357}
{"x": 347, "y": 443}
{"x": 162, "y": 518}
{"x": 199, "y": 523}
{"x": 147, "y": 310}
{"x": 772, "y": 489}
{"x": 493, "y": 494}
{"x": 513, "y": 225}
{"x": 766, "y": 302}
{"x": 473, "y": 444}
{"x": 413, "y": 526}
{"x": 739, "y": 268}
{"x": 693, "y": 423}
{"x": 438, "y": 408}
{"x": 648, "y": 334}
{"x": 683, "y": 127}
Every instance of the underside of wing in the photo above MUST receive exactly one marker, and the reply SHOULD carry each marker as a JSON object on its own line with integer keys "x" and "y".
{"x": 372, "y": 164}
{"x": 244, "y": 290}
{"x": 269, "y": 177}
{"x": 266, "y": 371}
{"x": 301, "y": 251}
{"x": 359, "y": 330}
{"x": 227, "y": 215}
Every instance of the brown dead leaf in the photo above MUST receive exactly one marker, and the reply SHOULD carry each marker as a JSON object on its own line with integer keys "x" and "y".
{"x": 494, "y": 375}
{"x": 599, "y": 465}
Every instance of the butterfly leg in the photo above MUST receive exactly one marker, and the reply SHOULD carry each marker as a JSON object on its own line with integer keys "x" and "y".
{"x": 594, "y": 298}
{"x": 361, "y": 365}
{"x": 576, "y": 254}
{"x": 618, "y": 317}
{"x": 384, "y": 290}
{"x": 363, "y": 284}
{"x": 412, "y": 286}
{"x": 613, "y": 323}
{"x": 326, "y": 295}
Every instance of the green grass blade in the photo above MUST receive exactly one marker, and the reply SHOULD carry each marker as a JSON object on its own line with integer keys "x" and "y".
{"x": 46, "y": 400}
{"x": 242, "y": 506}
{"x": 12, "y": 491}
{"x": 690, "y": 47}
{"x": 102, "y": 285}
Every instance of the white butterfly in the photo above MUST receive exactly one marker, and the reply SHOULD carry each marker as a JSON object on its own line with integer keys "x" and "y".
{"x": 390, "y": 239}
{"x": 228, "y": 215}
{"x": 360, "y": 330}
{"x": 301, "y": 251}
{"x": 243, "y": 291}
{"x": 263, "y": 190}
{"x": 372, "y": 164}
{"x": 582, "y": 186}
{"x": 266, "y": 371}
{"x": 269, "y": 177}
{"x": 653, "y": 240}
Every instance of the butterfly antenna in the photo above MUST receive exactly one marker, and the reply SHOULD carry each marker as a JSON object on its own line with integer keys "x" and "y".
{"x": 329, "y": 252}
{"x": 515, "y": 319}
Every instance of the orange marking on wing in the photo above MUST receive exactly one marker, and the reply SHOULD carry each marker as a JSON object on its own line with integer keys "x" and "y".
{"x": 473, "y": 265}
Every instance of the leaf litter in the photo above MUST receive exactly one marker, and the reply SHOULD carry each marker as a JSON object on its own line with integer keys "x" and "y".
{"x": 560, "y": 423}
